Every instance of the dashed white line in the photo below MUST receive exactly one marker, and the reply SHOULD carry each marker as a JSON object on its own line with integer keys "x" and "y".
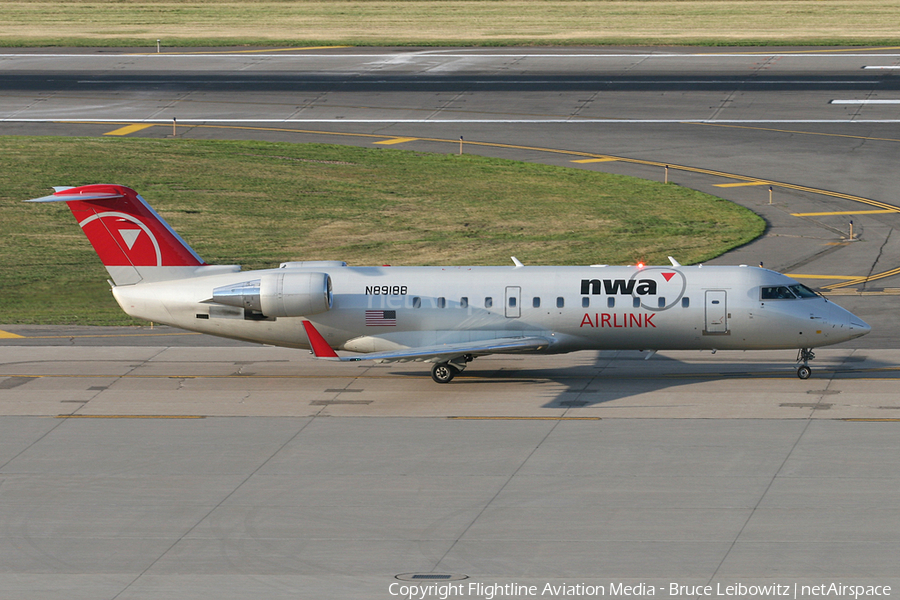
{"x": 865, "y": 101}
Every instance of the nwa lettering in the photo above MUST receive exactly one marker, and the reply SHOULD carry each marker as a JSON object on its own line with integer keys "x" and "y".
{"x": 610, "y": 287}
{"x": 618, "y": 320}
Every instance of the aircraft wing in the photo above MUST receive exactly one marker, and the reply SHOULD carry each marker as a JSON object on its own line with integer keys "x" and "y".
{"x": 436, "y": 353}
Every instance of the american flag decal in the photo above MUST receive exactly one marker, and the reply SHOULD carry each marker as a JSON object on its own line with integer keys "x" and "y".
{"x": 381, "y": 318}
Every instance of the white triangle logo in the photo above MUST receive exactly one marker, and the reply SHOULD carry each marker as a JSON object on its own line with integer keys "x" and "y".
{"x": 130, "y": 236}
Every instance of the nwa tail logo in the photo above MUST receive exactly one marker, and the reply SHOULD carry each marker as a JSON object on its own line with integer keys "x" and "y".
{"x": 653, "y": 288}
{"x": 122, "y": 239}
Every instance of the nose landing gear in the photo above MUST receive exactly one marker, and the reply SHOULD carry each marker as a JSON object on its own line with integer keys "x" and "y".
{"x": 805, "y": 355}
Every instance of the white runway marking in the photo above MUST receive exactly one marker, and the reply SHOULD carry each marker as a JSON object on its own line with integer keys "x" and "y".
{"x": 865, "y": 102}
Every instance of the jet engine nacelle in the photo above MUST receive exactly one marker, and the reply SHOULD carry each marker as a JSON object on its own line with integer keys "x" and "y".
{"x": 279, "y": 294}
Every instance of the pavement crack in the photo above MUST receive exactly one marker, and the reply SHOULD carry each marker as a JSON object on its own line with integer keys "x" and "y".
{"x": 877, "y": 258}
{"x": 496, "y": 495}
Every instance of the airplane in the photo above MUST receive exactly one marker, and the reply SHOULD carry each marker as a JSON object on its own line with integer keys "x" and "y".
{"x": 448, "y": 315}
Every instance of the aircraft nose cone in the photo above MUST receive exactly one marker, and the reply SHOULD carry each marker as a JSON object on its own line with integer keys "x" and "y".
{"x": 858, "y": 326}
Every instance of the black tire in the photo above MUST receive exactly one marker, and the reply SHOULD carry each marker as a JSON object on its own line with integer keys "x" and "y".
{"x": 804, "y": 372}
{"x": 443, "y": 372}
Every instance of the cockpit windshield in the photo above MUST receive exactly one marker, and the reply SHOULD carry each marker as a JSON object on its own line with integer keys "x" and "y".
{"x": 786, "y": 292}
{"x": 802, "y": 291}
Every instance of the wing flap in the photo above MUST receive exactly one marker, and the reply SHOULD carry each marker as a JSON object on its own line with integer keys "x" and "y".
{"x": 446, "y": 352}
{"x": 436, "y": 353}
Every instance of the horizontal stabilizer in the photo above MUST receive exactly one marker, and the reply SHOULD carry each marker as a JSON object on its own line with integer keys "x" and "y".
{"x": 62, "y": 196}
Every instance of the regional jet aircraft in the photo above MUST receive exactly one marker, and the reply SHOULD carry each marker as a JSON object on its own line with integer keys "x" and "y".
{"x": 448, "y": 316}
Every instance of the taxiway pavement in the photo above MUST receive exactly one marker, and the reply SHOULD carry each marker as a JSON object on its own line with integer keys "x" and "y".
{"x": 148, "y": 466}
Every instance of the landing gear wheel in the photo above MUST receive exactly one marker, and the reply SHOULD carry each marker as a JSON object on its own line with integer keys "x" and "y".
{"x": 804, "y": 356}
{"x": 443, "y": 372}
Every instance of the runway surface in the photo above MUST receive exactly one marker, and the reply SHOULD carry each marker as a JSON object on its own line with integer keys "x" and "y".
{"x": 142, "y": 463}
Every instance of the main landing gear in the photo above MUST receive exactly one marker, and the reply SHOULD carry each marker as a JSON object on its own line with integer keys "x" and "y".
{"x": 804, "y": 355}
{"x": 444, "y": 372}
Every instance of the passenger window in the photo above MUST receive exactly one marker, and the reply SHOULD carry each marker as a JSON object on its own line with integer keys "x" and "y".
{"x": 585, "y": 302}
{"x": 560, "y": 302}
{"x": 464, "y": 302}
{"x": 417, "y": 302}
{"x": 636, "y": 302}
{"x": 611, "y": 302}
{"x": 661, "y": 303}
{"x": 685, "y": 302}
{"x": 488, "y": 302}
{"x": 536, "y": 302}
{"x": 441, "y": 302}
{"x": 512, "y": 301}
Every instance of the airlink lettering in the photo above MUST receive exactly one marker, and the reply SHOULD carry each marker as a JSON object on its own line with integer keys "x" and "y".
{"x": 618, "y": 320}
{"x": 641, "y": 287}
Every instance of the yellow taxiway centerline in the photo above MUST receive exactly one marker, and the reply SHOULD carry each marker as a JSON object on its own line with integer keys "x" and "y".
{"x": 741, "y": 184}
{"x": 129, "y": 417}
{"x": 258, "y": 51}
{"x": 846, "y": 212}
{"x": 803, "y": 276}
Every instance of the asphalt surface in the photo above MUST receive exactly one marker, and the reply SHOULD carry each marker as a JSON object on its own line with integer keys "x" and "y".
{"x": 144, "y": 463}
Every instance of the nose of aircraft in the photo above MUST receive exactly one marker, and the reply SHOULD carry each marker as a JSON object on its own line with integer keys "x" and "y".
{"x": 841, "y": 325}
{"x": 858, "y": 327}
{"x": 851, "y": 326}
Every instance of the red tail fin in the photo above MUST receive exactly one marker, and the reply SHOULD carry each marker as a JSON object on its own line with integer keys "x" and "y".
{"x": 125, "y": 231}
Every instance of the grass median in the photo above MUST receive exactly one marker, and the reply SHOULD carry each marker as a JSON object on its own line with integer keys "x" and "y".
{"x": 257, "y": 204}
{"x": 447, "y": 22}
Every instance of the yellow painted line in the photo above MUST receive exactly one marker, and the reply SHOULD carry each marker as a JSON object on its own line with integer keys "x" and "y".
{"x": 130, "y": 129}
{"x": 860, "y": 280}
{"x": 7, "y": 335}
{"x": 275, "y": 50}
{"x": 526, "y": 418}
{"x": 105, "y": 335}
{"x": 842, "y": 277}
{"x": 239, "y": 51}
{"x": 399, "y": 140}
{"x": 596, "y": 160}
{"x": 741, "y": 184}
{"x": 130, "y": 417}
{"x": 846, "y": 212}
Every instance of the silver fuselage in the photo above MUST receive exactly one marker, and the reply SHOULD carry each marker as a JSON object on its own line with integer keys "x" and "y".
{"x": 378, "y": 309}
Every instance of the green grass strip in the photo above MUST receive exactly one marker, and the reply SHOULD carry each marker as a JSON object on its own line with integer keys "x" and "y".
{"x": 180, "y": 23}
{"x": 260, "y": 203}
